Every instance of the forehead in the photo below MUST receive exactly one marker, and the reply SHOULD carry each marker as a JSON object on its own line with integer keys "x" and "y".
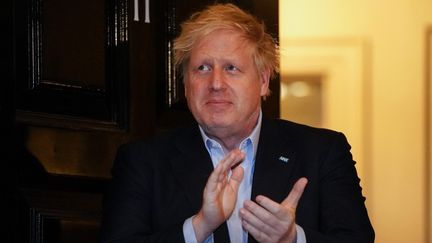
{"x": 222, "y": 43}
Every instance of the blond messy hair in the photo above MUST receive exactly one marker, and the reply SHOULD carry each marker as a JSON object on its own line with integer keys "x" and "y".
{"x": 228, "y": 17}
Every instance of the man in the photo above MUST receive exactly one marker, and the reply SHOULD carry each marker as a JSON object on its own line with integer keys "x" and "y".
{"x": 234, "y": 176}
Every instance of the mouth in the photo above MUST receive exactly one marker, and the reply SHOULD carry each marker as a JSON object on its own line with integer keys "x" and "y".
{"x": 218, "y": 101}
{"x": 218, "y": 104}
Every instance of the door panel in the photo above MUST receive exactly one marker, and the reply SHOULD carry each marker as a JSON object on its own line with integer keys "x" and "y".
{"x": 86, "y": 79}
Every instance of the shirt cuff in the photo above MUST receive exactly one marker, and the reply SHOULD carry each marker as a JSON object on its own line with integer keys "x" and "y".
{"x": 301, "y": 237}
{"x": 189, "y": 233}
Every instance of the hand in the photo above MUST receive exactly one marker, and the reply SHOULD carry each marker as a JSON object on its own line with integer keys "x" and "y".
{"x": 269, "y": 221}
{"x": 220, "y": 195}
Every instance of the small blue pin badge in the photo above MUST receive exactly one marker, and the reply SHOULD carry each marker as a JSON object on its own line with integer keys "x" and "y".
{"x": 283, "y": 159}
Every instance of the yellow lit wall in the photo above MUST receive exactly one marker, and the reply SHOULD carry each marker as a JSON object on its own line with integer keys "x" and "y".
{"x": 390, "y": 101}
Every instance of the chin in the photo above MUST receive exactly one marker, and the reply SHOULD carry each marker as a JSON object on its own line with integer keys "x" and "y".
{"x": 220, "y": 121}
{"x": 216, "y": 123}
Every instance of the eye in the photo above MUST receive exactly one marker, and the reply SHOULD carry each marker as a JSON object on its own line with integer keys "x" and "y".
{"x": 204, "y": 68}
{"x": 231, "y": 68}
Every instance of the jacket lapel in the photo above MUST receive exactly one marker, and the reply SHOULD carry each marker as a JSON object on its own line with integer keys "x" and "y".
{"x": 274, "y": 163}
{"x": 192, "y": 167}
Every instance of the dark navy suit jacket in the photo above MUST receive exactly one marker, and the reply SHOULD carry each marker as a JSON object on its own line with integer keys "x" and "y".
{"x": 158, "y": 184}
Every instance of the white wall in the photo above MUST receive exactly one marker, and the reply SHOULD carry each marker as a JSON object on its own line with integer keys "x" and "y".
{"x": 390, "y": 98}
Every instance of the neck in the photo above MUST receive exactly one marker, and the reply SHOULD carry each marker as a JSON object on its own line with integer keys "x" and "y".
{"x": 230, "y": 142}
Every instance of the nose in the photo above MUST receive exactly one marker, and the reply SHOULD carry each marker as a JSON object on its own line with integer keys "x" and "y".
{"x": 217, "y": 81}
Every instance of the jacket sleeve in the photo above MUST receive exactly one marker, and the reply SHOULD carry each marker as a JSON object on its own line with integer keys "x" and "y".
{"x": 127, "y": 205}
{"x": 342, "y": 213}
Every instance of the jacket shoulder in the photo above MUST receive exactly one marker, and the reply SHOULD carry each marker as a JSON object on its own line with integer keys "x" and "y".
{"x": 301, "y": 130}
{"x": 166, "y": 142}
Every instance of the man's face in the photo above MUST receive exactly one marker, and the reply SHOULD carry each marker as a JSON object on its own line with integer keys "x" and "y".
{"x": 222, "y": 85}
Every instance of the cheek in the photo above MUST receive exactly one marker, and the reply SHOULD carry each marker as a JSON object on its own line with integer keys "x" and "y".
{"x": 254, "y": 90}
{"x": 192, "y": 91}
{"x": 186, "y": 90}
{"x": 189, "y": 88}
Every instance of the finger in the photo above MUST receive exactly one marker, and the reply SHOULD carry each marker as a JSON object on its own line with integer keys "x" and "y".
{"x": 269, "y": 217}
{"x": 255, "y": 232}
{"x": 219, "y": 174}
{"x": 237, "y": 174}
{"x": 233, "y": 158}
{"x": 228, "y": 163}
{"x": 295, "y": 194}
{"x": 270, "y": 206}
{"x": 256, "y": 221}
{"x": 235, "y": 179}
{"x": 237, "y": 171}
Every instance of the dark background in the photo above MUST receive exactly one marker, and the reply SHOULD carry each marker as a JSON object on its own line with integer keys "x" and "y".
{"x": 79, "y": 79}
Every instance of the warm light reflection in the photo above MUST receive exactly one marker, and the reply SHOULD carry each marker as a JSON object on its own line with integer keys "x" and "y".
{"x": 301, "y": 99}
{"x": 297, "y": 89}
{"x": 371, "y": 55}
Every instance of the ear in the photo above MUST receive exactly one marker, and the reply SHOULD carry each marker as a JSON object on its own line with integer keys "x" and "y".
{"x": 265, "y": 82}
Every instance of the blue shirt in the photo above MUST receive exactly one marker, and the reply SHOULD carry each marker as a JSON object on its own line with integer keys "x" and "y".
{"x": 217, "y": 152}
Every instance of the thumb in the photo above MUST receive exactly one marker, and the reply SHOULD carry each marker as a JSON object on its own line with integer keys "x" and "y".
{"x": 296, "y": 192}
